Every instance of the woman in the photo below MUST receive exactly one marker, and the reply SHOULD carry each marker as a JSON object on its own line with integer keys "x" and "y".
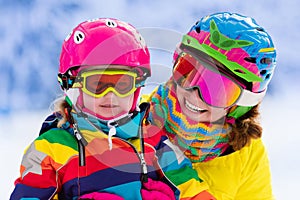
{"x": 209, "y": 107}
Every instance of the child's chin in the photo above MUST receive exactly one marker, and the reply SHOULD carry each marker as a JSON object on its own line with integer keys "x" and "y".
{"x": 110, "y": 115}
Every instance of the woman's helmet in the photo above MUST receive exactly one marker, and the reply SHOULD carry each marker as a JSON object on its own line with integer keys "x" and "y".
{"x": 238, "y": 43}
{"x": 103, "y": 41}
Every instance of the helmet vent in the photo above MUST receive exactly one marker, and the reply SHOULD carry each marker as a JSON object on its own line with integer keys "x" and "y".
{"x": 266, "y": 61}
{"x": 198, "y": 29}
{"x": 263, "y": 72}
{"x": 239, "y": 71}
{"x": 260, "y": 29}
{"x": 188, "y": 41}
{"x": 250, "y": 59}
{"x": 268, "y": 76}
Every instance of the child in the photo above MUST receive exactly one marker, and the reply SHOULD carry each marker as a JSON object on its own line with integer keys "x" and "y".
{"x": 99, "y": 144}
{"x": 93, "y": 146}
{"x": 209, "y": 107}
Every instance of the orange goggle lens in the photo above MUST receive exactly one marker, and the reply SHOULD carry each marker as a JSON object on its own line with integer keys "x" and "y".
{"x": 98, "y": 83}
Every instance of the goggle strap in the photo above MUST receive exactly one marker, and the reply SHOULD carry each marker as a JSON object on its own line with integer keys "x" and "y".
{"x": 249, "y": 98}
{"x": 65, "y": 80}
{"x": 140, "y": 84}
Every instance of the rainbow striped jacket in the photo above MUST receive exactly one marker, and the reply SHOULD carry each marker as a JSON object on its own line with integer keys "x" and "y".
{"x": 60, "y": 164}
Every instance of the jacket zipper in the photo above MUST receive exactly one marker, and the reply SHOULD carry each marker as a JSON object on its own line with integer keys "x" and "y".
{"x": 140, "y": 155}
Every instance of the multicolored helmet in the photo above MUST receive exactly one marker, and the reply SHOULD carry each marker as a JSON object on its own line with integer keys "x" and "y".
{"x": 103, "y": 41}
{"x": 241, "y": 45}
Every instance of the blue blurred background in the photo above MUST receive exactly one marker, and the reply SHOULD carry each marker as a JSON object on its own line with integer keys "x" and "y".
{"x": 32, "y": 32}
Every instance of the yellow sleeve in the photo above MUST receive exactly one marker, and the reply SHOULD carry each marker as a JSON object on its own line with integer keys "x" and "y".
{"x": 256, "y": 176}
{"x": 244, "y": 174}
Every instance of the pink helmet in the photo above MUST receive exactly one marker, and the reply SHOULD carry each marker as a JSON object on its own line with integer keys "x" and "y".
{"x": 103, "y": 41}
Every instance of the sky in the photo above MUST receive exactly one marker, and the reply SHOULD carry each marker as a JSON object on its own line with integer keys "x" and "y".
{"x": 32, "y": 32}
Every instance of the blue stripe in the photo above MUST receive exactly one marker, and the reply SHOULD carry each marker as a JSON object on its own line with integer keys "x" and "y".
{"x": 130, "y": 190}
{"x": 105, "y": 180}
{"x": 22, "y": 191}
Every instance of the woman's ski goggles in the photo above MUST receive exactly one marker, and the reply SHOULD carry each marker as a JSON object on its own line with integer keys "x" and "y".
{"x": 214, "y": 87}
{"x": 98, "y": 83}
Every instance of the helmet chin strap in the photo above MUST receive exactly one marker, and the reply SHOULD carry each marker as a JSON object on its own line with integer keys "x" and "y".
{"x": 244, "y": 104}
{"x": 135, "y": 100}
{"x": 72, "y": 95}
{"x": 236, "y": 112}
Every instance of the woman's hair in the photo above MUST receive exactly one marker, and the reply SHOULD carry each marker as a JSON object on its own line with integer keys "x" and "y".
{"x": 245, "y": 128}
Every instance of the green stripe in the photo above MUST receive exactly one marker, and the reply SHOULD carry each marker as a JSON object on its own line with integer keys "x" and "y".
{"x": 232, "y": 66}
{"x": 59, "y": 136}
{"x": 182, "y": 175}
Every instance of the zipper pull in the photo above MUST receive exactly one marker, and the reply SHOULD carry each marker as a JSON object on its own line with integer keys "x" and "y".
{"x": 76, "y": 132}
{"x": 78, "y": 135}
{"x": 111, "y": 132}
{"x": 144, "y": 177}
{"x": 81, "y": 144}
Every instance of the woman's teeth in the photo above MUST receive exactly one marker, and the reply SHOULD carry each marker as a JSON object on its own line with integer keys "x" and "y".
{"x": 192, "y": 107}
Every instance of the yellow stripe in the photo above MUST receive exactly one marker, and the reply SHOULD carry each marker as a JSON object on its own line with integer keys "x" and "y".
{"x": 58, "y": 152}
{"x": 191, "y": 188}
{"x": 267, "y": 49}
{"x": 91, "y": 135}
{"x": 136, "y": 143}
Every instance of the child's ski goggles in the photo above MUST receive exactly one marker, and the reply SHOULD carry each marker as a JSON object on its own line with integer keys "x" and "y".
{"x": 214, "y": 87}
{"x": 98, "y": 83}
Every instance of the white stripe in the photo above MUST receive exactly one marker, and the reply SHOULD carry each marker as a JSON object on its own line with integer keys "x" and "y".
{"x": 179, "y": 154}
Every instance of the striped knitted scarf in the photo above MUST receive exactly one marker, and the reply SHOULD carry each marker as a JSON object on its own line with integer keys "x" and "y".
{"x": 200, "y": 142}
